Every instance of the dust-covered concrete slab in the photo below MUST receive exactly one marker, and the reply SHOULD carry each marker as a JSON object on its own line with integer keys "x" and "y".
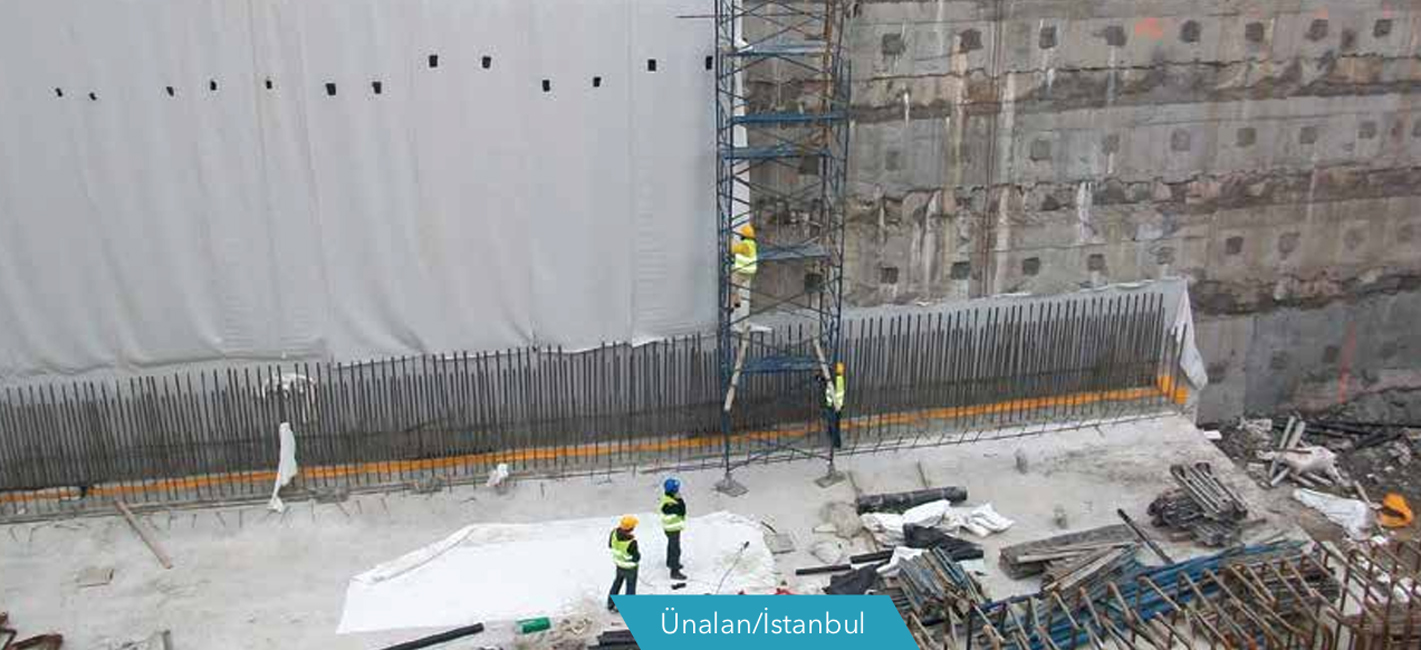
{"x": 246, "y": 578}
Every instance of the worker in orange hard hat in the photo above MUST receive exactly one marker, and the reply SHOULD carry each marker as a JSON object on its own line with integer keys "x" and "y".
{"x": 834, "y": 403}
{"x": 626, "y": 556}
{"x": 745, "y": 258}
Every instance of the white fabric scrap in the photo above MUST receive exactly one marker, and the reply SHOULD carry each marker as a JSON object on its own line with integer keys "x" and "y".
{"x": 981, "y": 521}
{"x": 498, "y": 475}
{"x": 1352, "y": 515}
{"x": 900, "y": 553}
{"x": 286, "y": 468}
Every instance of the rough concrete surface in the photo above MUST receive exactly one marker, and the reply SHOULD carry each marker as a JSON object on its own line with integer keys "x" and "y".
{"x": 246, "y": 578}
{"x": 1270, "y": 152}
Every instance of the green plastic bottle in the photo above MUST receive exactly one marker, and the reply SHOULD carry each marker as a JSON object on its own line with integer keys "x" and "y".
{"x": 531, "y": 625}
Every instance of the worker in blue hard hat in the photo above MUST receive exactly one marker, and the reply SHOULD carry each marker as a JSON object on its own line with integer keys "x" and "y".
{"x": 673, "y": 521}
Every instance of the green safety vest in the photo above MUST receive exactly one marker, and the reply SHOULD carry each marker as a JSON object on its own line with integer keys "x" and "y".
{"x": 622, "y": 551}
{"x": 670, "y": 523}
{"x": 834, "y": 393}
{"x": 746, "y": 262}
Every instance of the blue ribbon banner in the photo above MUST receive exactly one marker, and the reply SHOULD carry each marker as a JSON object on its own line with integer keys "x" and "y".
{"x": 750, "y": 622}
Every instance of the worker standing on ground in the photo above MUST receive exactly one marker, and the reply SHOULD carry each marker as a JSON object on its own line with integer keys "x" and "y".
{"x": 673, "y": 521}
{"x": 834, "y": 403}
{"x": 745, "y": 258}
{"x": 626, "y": 556}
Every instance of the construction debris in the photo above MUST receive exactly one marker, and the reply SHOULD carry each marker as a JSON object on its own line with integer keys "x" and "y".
{"x": 1395, "y": 512}
{"x": 94, "y": 576}
{"x": 902, "y": 501}
{"x": 1201, "y": 507}
{"x": 615, "y": 640}
{"x": 1352, "y": 515}
{"x": 931, "y": 582}
{"x": 1272, "y": 596}
{"x": 144, "y": 534}
{"x": 38, "y": 642}
{"x": 1035, "y": 557}
{"x": 434, "y": 639}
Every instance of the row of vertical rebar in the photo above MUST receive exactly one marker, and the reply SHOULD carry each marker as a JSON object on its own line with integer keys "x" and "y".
{"x": 204, "y": 436}
{"x": 1275, "y": 596}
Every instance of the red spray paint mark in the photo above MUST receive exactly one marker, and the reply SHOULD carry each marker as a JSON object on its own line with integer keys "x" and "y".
{"x": 1344, "y": 363}
{"x": 1149, "y": 28}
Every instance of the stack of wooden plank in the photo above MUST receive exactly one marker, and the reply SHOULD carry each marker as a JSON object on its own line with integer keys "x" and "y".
{"x": 1063, "y": 552}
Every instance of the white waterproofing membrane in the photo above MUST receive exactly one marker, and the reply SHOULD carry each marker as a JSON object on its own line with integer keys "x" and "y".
{"x": 505, "y": 572}
{"x": 460, "y": 207}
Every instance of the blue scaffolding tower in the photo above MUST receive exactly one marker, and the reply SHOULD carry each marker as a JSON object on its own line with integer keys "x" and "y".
{"x": 782, "y": 106}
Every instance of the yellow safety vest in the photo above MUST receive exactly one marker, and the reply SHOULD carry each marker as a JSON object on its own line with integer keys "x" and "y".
{"x": 747, "y": 255}
{"x": 834, "y": 393}
{"x": 670, "y": 523}
{"x": 622, "y": 551}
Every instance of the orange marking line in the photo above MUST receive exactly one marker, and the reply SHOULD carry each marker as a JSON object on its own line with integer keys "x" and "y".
{"x": 1164, "y": 385}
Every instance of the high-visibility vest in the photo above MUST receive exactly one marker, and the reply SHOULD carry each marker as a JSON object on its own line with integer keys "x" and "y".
{"x": 834, "y": 393}
{"x": 622, "y": 551}
{"x": 670, "y": 523}
{"x": 747, "y": 256}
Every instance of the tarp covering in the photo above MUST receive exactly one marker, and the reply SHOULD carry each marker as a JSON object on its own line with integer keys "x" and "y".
{"x": 503, "y": 572}
{"x": 273, "y": 204}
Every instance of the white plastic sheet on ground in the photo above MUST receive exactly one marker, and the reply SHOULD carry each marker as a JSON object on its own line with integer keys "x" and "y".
{"x": 983, "y": 520}
{"x": 503, "y": 572}
{"x": 1352, "y": 515}
{"x": 462, "y": 207}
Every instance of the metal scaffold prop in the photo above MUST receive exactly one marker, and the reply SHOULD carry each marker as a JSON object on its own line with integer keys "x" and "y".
{"x": 782, "y": 100}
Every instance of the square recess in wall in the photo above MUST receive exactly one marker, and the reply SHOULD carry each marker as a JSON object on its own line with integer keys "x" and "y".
{"x": 1381, "y": 28}
{"x": 1047, "y": 39}
{"x": 888, "y": 275}
{"x": 960, "y": 271}
{"x": 1031, "y": 266}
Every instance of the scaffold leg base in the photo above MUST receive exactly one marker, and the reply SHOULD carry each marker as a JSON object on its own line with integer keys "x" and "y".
{"x": 832, "y": 478}
{"x": 730, "y": 487}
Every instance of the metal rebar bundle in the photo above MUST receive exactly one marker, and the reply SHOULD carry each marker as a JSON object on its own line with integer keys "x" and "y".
{"x": 1269, "y": 596}
{"x": 1211, "y": 512}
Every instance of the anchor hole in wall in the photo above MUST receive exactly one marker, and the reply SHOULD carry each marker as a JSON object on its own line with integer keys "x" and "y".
{"x": 212, "y": 85}
{"x": 1253, "y": 32}
{"x": 1190, "y": 31}
{"x": 1047, "y": 38}
{"x": 486, "y": 62}
{"x": 1381, "y": 28}
{"x": 434, "y": 60}
{"x": 330, "y": 89}
{"x": 1031, "y": 266}
{"x": 59, "y": 92}
{"x": 710, "y": 62}
{"x": 93, "y": 97}
{"x": 651, "y": 65}
{"x": 377, "y": 87}
{"x": 960, "y": 270}
{"x": 269, "y": 85}
{"x": 596, "y": 82}
{"x": 1233, "y": 245}
{"x": 547, "y": 85}
{"x": 1095, "y": 262}
{"x": 888, "y": 275}
{"x": 170, "y": 91}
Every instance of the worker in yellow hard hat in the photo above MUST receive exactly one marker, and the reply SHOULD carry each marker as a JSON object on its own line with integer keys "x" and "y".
{"x": 745, "y": 258}
{"x": 626, "y": 556}
{"x": 834, "y": 403}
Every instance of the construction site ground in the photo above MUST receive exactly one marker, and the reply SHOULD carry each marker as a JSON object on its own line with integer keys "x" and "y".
{"x": 245, "y": 577}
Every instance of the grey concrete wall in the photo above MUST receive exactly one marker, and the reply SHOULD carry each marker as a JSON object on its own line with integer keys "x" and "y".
{"x": 1268, "y": 151}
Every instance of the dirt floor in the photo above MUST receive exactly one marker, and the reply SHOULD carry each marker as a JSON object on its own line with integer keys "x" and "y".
{"x": 248, "y": 578}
